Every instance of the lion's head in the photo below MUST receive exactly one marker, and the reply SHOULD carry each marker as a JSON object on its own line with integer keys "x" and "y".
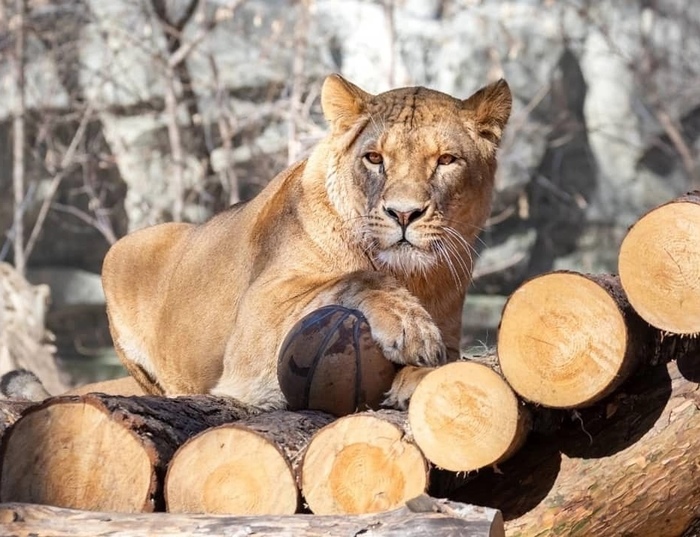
{"x": 411, "y": 171}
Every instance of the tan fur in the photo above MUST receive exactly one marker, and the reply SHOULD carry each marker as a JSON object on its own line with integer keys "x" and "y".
{"x": 204, "y": 308}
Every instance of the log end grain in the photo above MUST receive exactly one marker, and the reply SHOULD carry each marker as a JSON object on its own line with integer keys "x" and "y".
{"x": 230, "y": 470}
{"x": 55, "y": 455}
{"x": 361, "y": 464}
{"x": 563, "y": 341}
{"x": 464, "y": 416}
{"x": 659, "y": 267}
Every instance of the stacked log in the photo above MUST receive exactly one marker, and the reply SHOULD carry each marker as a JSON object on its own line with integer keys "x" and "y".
{"x": 567, "y": 340}
{"x": 249, "y": 467}
{"x": 464, "y": 417}
{"x": 602, "y": 379}
{"x": 659, "y": 265}
{"x": 628, "y": 467}
{"x": 102, "y": 452}
{"x": 362, "y": 463}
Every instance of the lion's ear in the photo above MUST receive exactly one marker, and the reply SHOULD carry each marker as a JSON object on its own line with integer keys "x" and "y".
{"x": 342, "y": 101}
{"x": 490, "y": 108}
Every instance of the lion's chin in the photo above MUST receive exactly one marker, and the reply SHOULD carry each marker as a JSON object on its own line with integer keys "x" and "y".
{"x": 406, "y": 258}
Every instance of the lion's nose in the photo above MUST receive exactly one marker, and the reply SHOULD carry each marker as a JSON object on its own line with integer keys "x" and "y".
{"x": 405, "y": 217}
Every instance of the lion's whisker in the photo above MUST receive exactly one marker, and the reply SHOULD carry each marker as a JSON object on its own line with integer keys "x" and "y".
{"x": 461, "y": 263}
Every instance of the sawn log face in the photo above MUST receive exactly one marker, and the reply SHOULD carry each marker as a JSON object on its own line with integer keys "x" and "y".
{"x": 627, "y": 466}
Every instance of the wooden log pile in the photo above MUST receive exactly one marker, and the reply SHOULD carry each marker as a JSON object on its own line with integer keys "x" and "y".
{"x": 584, "y": 422}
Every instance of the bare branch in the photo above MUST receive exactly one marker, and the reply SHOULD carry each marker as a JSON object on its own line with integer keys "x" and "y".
{"x": 175, "y": 27}
{"x": 226, "y": 125}
{"x": 389, "y": 16}
{"x": 176, "y": 148}
{"x": 19, "y": 138}
{"x": 295, "y": 105}
{"x": 59, "y": 174}
{"x": 107, "y": 232}
{"x": 679, "y": 143}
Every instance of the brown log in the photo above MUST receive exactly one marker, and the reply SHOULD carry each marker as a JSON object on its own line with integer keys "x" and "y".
{"x": 10, "y": 411}
{"x": 102, "y": 452}
{"x": 424, "y": 516}
{"x": 567, "y": 340}
{"x": 464, "y": 416}
{"x": 659, "y": 265}
{"x": 626, "y": 467}
{"x": 244, "y": 468}
{"x": 362, "y": 463}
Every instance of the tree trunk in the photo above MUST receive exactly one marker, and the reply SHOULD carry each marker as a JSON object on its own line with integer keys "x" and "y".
{"x": 628, "y": 467}
{"x": 244, "y": 468}
{"x": 464, "y": 416}
{"x": 102, "y": 452}
{"x": 18, "y": 141}
{"x": 658, "y": 263}
{"x": 423, "y": 516}
{"x": 362, "y": 463}
{"x": 567, "y": 340}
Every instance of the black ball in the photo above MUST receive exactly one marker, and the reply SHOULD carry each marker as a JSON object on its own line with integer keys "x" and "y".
{"x": 330, "y": 362}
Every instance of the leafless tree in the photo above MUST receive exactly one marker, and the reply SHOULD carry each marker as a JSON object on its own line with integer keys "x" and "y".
{"x": 18, "y": 167}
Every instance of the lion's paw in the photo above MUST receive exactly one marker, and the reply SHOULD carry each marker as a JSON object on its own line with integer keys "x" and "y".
{"x": 403, "y": 386}
{"x": 406, "y": 333}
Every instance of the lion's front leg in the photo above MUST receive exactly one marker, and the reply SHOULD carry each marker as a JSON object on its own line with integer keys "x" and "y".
{"x": 400, "y": 324}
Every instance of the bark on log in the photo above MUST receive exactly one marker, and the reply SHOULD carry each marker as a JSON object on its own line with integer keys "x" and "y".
{"x": 659, "y": 265}
{"x": 102, "y": 452}
{"x": 626, "y": 467}
{"x": 567, "y": 340}
{"x": 464, "y": 416}
{"x": 244, "y": 468}
{"x": 10, "y": 411}
{"x": 362, "y": 463}
{"x": 425, "y": 516}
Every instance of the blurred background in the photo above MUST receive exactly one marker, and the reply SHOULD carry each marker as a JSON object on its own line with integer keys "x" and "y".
{"x": 118, "y": 114}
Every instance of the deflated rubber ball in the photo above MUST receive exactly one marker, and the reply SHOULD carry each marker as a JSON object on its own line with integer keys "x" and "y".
{"x": 330, "y": 362}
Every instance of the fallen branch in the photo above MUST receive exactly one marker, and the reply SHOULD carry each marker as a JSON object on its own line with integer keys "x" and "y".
{"x": 423, "y": 516}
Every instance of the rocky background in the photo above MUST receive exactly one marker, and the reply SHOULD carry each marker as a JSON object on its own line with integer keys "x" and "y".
{"x": 143, "y": 111}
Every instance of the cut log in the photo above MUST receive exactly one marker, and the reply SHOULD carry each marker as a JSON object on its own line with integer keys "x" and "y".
{"x": 248, "y": 467}
{"x": 628, "y": 467}
{"x": 659, "y": 265}
{"x": 362, "y": 463}
{"x": 10, "y": 411}
{"x": 426, "y": 516}
{"x": 464, "y": 416}
{"x": 567, "y": 340}
{"x": 102, "y": 452}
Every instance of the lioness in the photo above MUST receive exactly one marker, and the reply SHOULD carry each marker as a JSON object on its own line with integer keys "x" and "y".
{"x": 381, "y": 217}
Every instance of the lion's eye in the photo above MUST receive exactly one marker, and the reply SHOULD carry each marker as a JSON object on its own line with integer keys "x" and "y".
{"x": 444, "y": 160}
{"x": 374, "y": 158}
